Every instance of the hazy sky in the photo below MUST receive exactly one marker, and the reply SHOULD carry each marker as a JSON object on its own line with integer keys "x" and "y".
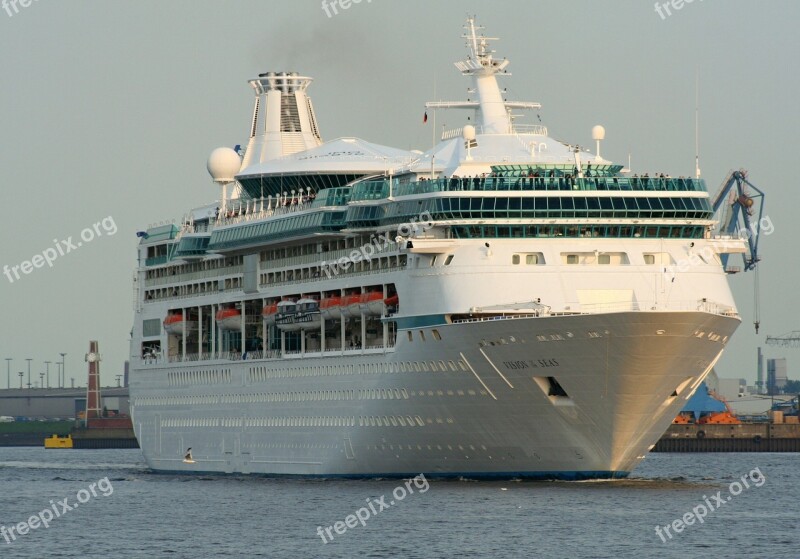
{"x": 109, "y": 110}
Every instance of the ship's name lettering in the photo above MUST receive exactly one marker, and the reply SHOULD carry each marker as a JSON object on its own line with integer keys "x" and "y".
{"x": 531, "y": 364}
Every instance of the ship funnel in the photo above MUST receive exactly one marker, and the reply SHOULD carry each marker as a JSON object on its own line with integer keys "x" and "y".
{"x": 283, "y": 118}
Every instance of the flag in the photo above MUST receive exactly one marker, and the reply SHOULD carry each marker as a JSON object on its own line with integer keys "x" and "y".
{"x": 425, "y": 118}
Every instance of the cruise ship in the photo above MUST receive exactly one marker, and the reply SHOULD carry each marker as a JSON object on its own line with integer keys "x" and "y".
{"x": 503, "y": 304}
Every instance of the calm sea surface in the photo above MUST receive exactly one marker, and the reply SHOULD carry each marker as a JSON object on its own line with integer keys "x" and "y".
{"x": 146, "y": 515}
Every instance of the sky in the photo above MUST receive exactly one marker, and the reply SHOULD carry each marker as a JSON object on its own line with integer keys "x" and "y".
{"x": 108, "y": 111}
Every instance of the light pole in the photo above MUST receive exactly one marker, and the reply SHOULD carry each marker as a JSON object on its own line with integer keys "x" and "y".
{"x": 29, "y": 371}
{"x": 21, "y": 374}
{"x": 8, "y": 373}
{"x": 41, "y": 380}
{"x": 63, "y": 370}
{"x": 47, "y": 364}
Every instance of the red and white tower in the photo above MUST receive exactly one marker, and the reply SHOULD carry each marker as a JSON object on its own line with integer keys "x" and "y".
{"x": 93, "y": 386}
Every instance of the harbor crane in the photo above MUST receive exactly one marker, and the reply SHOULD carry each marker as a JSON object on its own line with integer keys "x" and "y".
{"x": 792, "y": 339}
{"x": 744, "y": 208}
{"x": 743, "y": 204}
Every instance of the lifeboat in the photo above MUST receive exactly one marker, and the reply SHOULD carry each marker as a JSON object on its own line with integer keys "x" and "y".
{"x": 308, "y": 315}
{"x": 371, "y": 303}
{"x": 351, "y": 305}
{"x": 285, "y": 315}
{"x": 269, "y": 312}
{"x": 330, "y": 307}
{"x": 174, "y": 324}
{"x": 229, "y": 319}
{"x": 392, "y": 301}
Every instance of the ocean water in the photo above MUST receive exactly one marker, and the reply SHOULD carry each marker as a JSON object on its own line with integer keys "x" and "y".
{"x": 126, "y": 511}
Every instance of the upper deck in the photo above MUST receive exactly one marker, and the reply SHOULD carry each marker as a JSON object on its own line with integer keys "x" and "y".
{"x": 509, "y": 194}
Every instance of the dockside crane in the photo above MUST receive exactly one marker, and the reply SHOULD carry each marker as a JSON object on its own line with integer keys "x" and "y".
{"x": 792, "y": 339}
{"x": 743, "y": 204}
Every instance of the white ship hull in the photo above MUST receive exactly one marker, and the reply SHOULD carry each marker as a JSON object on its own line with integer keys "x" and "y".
{"x": 317, "y": 416}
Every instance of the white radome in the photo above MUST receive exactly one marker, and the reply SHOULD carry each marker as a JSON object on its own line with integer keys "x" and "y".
{"x": 598, "y": 133}
{"x": 223, "y": 164}
{"x": 468, "y": 132}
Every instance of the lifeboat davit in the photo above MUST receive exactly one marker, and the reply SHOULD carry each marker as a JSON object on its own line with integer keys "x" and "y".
{"x": 174, "y": 324}
{"x": 269, "y": 312}
{"x": 331, "y": 307}
{"x": 351, "y": 305}
{"x": 371, "y": 303}
{"x": 308, "y": 315}
{"x": 285, "y": 315}
{"x": 229, "y": 319}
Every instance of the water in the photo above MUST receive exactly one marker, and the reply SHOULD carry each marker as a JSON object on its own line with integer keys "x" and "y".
{"x": 148, "y": 515}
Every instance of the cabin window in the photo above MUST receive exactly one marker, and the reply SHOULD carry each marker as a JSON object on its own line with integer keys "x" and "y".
{"x": 604, "y": 259}
{"x": 649, "y": 259}
{"x": 515, "y": 259}
{"x": 449, "y": 259}
{"x": 572, "y": 259}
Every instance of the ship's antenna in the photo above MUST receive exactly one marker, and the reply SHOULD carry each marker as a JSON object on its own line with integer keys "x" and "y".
{"x": 472, "y": 37}
{"x": 433, "y": 130}
{"x": 696, "y": 123}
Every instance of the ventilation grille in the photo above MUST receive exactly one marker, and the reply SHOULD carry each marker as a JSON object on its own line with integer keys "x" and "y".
{"x": 312, "y": 119}
{"x": 292, "y": 143}
{"x": 255, "y": 117}
{"x": 290, "y": 116}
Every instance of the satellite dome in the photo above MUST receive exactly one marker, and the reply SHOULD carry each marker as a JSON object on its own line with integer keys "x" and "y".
{"x": 468, "y": 132}
{"x": 223, "y": 164}
{"x": 598, "y": 133}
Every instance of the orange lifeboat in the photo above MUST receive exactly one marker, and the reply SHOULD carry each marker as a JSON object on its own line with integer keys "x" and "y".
{"x": 371, "y": 303}
{"x": 269, "y": 312}
{"x": 331, "y": 307}
{"x": 351, "y": 305}
{"x": 174, "y": 324}
{"x": 229, "y": 319}
{"x": 392, "y": 301}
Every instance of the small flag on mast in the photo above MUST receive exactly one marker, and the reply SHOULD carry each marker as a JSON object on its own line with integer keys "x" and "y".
{"x": 425, "y": 118}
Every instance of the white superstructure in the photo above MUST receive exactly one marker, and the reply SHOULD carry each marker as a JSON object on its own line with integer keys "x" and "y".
{"x": 500, "y": 305}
